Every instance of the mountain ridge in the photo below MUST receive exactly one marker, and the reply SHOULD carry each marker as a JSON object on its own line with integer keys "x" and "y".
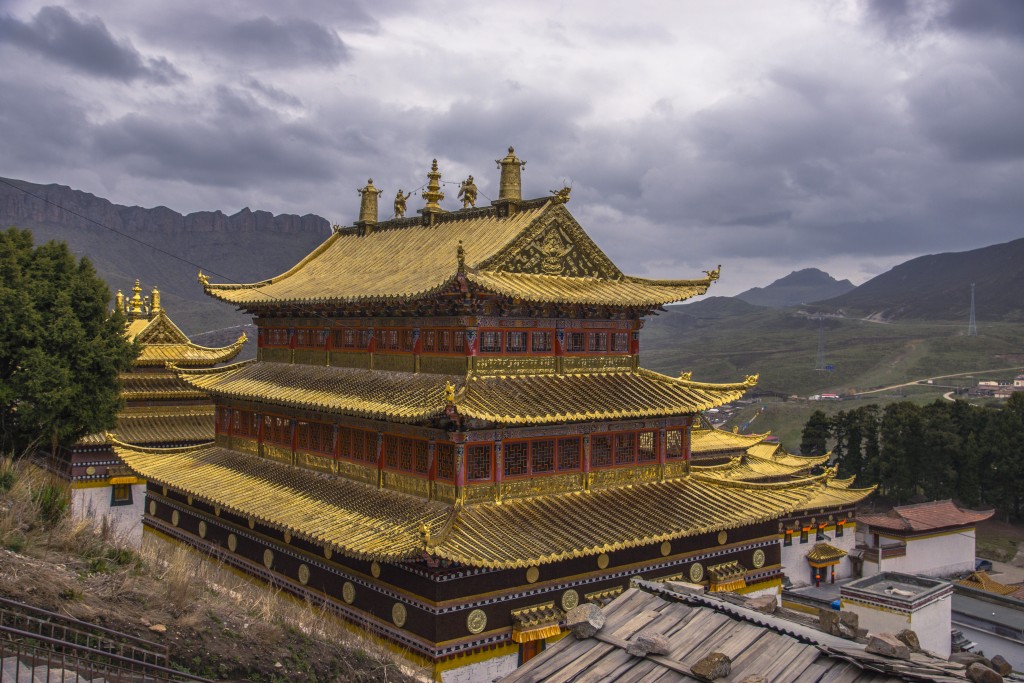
{"x": 799, "y": 287}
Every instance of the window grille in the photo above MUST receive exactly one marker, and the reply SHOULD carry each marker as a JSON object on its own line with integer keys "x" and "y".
{"x": 478, "y": 462}
{"x": 541, "y": 342}
{"x": 542, "y": 456}
{"x": 620, "y": 342}
{"x": 601, "y": 450}
{"x": 569, "y": 454}
{"x": 515, "y": 458}
{"x": 625, "y": 448}
{"x": 515, "y": 342}
{"x": 490, "y": 342}
{"x": 445, "y": 455}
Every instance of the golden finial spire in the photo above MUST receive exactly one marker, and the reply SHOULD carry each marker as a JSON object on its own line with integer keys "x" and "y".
{"x": 154, "y": 301}
{"x": 460, "y": 254}
{"x": 134, "y": 309}
{"x": 119, "y": 301}
{"x": 433, "y": 193}
{"x": 510, "y": 187}
{"x": 368, "y": 204}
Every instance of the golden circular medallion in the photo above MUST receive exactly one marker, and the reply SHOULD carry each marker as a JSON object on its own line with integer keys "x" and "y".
{"x": 328, "y": 552}
{"x": 532, "y": 574}
{"x": 476, "y": 621}
{"x": 758, "y": 558}
{"x": 190, "y": 499}
{"x": 90, "y": 470}
{"x": 175, "y": 518}
{"x": 602, "y": 561}
{"x": 252, "y": 523}
{"x": 666, "y": 549}
{"x": 696, "y": 572}
{"x": 722, "y": 537}
{"x": 216, "y": 510}
{"x": 268, "y": 558}
{"x": 202, "y": 529}
{"x": 348, "y": 592}
{"x": 375, "y": 569}
{"x": 398, "y": 614}
{"x": 287, "y": 537}
{"x": 303, "y": 574}
{"x": 570, "y": 599}
{"x": 232, "y": 542}
{"x": 152, "y": 507}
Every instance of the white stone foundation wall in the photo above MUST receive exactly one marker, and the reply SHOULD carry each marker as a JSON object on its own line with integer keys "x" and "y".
{"x": 487, "y": 670}
{"x": 93, "y": 503}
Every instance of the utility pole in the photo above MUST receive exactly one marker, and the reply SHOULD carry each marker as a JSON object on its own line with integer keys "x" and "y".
{"x": 972, "y": 325}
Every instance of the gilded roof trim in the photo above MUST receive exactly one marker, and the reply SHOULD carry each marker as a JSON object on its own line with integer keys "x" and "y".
{"x": 825, "y": 552}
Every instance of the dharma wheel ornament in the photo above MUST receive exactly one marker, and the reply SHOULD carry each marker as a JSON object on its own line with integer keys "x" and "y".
{"x": 348, "y": 592}
{"x": 202, "y": 529}
{"x": 723, "y": 536}
{"x": 476, "y": 621}
{"x": 232, "y": 542}
{"x": 304, "y": 574}
{"x": 666, "y": 549}
{"x": 152, "y": 507}
{"x": 570, "y": 599}
{"x": 758, "y": 559}
{"x": 399, "y": 614}
{"x": 268, "y": 558}
{"x": 602, "y": 561}
{"x": 532, "y": 574}
{"x": 696, "y": 572}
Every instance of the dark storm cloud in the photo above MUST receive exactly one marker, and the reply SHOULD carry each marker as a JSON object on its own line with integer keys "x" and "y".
{"x": 233, "y": 142}
{"x": 85, "y": 44}
{"x": 276, "y": 95}
{"x": 265, "y": 42}
{"x": 44, "y": 127}
{"x": 991, "y": 17}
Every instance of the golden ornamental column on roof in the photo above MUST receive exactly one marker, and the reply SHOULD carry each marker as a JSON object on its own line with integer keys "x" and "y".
{"x": 510, "y": 187}
{"x": 368, "y": 203}
{"x": 433, "y": 193}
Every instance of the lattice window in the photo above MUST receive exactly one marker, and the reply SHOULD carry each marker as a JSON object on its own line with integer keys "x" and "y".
{"x": 574, "y": 342}
{"x": 405, "y": 453}
{"x": 223, "y": 420}
{"x": 276, "y": 336}
{"x": 277, "y": 429}
{"x": 625, "y": 448}
{"x": 420, "y": 457}
{"x": 490, "y": 341}
{"x": 839, "y": 528}
{"x": 515, "y": 342}
{"x": 392, "y": 336}
{"x": 364, "y": 446}
{"x": 620, "y": 342}
{"x": 674, "y": 444}
{"x": 569, "y": 454}
{"x": 478, "y": 462}
{"x": 364, "y": 338}
{"x": 406, "y": 342}
{"x": 245, "y": 423}
{"x": 310, "y": 338}
{"x": 600, "y": 450}
{"x": 444, "y": 341}
{"x": 315, "y": 436}
{"x": 391, "y": 451}
{"x": 598, "y": 342}
{"x": 444, "y": 453}
{"x": 381, "y": 340}
{"x": 647, "y": 447}
{"x": 345, "y": 443}
{"x": 541, "y": 342}
{"x": 459, "y": 341}
{"x": 516, "y": 457}
{"x": 542, "y": 456}
{"x": 430, "y": 341}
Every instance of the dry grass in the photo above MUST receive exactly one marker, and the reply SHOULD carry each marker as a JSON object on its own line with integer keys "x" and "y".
{"x": 218, "y": 623}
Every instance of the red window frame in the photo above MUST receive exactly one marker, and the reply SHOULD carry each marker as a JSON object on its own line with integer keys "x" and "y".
{"x": 444, "y": 456}
{"x": 311, "y": 338}
{"x": 277, "y": 429}
{"x": 479, "y": 462}
{"x": 276, "y": 337}
{"x": 357, "y": 445}
{"x": 675, "y": 444}
{"x": 315, "y": 437}
{"x": 245, "y": 423}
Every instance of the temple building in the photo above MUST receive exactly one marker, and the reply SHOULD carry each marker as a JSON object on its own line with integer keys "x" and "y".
{"x": 160, "y": 410}
{"x": 446, "y": 437}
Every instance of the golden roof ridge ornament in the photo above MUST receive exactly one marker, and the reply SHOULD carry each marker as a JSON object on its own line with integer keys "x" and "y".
{"x": 368, "y": 204}
{"x": 751, "y": 380}
{"x": 203, "y": 280}
{"x": 713, "y": 274}
{"x": 433, "y": 193}
{"x": 510, "y": 187}
{"x": 561, "y": 196}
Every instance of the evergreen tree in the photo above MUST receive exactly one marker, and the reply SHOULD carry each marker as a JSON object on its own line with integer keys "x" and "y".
{"x": 815, "y": 434}
{"x": 60, "y": 351}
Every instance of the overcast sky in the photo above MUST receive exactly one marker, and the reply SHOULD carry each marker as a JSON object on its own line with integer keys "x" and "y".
{"x": 767, "y": 136}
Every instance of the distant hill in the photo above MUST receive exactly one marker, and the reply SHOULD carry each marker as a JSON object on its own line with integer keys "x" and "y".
{"x": 938, "y": 287}
{"x": 246, "y": 247}
{"x": 799, "y": 287}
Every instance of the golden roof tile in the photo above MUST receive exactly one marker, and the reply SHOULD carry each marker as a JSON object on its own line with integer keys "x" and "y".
{"x": 362, "y": 521}
{"x": 163, "y": 342}
{"x": 409, "y": 397}
{"x": 710, "y": 440}
{"x": 160, "y": 425}
{"x": 152, "y": 386}
{"x": 824, "y": 552}
{"x": 538, "y": 253}
{"x": 831, "y": 496}
{"x": 982, "y": 581}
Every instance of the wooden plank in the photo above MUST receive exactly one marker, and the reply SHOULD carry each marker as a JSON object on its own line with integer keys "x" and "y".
{"x": 565, "y": 666}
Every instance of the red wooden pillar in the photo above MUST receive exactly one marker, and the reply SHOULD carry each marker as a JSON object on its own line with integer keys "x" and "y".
{"x": 833, "y": 573}
{"x": 380, "y": 459}
{"x": 586, "y": 462}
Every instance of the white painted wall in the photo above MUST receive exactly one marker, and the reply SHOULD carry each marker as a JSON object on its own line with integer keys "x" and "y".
{"x": 482, "y": 672}
{"x": 931, "y": 623}
{"x": 794, "y": 557}
{"x": 93, "y": 503}
{"x": 943, "y": 555}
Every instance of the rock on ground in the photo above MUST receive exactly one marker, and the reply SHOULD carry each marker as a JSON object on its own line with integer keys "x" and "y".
{"x": 715, "y": 665}
{"x": 887, "y": 645}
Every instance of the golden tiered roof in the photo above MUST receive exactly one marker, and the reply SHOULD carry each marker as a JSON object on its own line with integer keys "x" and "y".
{"x": 163, "y": 342}
{"x": 708, "y": 440}
{"x": 752, "y": 468}
{"x": 825, "y": 553}
{"x": 161, "y": 425}
{"x": 538, "y": 253}
{"x": 156, "y": 386}
{"x": 362, "y": 521}
{"x": 413, "y": 397}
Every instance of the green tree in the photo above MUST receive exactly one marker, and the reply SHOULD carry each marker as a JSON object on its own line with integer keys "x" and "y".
{"x": 815, "y": 434}
{"x": 60, "y": 350}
